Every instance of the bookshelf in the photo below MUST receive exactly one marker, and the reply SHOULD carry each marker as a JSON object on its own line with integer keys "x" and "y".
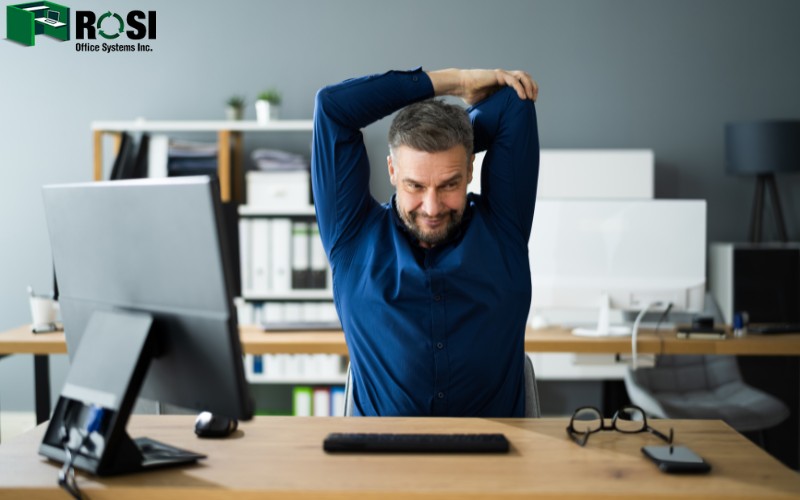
{"x": 229, "y": 138}
{"x": 230, "y": 170}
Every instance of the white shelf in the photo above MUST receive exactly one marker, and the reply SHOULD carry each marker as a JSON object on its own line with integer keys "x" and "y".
{"x": 249, "y": 210}
{"x": 333, "y": 380}
{"x": 290, "y": 295}
{"x": 202, "y": 126}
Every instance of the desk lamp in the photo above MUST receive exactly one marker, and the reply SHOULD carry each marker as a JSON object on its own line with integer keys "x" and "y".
{"x": 763, "y": 148}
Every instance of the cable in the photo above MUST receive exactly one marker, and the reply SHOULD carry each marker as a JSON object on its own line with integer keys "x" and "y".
{"x": 636, "y": 331}
{"x": 66, "y": 476}
{"x": 658, "y": 333}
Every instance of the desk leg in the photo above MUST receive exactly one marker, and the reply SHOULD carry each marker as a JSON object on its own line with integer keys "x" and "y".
{"x": 224, "y": 164}
{"x": 98, "y": 154}
{"x": 615, "y": 396}
{"x": 41, "y": 380}
{"x": 238, "y": 172}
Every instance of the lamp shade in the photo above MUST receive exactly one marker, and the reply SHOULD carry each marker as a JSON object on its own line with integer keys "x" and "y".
{"x": 762, "y": 147}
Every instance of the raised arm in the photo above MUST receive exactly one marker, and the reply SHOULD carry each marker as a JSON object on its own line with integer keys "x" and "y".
{"x": 339, "y": 164}
{"x": 504, "y": 121}
{"x": 474, "y": 85}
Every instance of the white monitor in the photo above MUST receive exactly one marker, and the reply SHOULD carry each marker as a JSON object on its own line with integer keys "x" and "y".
{"x": 622, "y": 254}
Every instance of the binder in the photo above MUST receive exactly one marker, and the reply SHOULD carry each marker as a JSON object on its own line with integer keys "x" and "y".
{"x": 337, "y": 401}
{"x": 302, "y": 401}
{"x": 322, "y": 402}
{"x": 319, "y": 261}
{"x": 280, "y": 254}
{"x": 139, "y": 166}
{"x": 245, "y": 248}
{"x": 123, "y": 162}
{"x": 260, "y": 257}
{"x": 158, "y": 156}
{"x": 300, "y": 258}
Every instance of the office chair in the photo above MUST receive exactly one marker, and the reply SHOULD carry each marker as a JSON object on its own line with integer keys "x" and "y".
{"x": 704, "y": 387}
{"x": 532, "y": 409}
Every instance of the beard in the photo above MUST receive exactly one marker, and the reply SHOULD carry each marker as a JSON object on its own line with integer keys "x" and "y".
{"x": 432, "y": 236}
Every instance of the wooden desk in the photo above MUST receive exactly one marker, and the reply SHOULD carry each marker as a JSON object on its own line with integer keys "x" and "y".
{"x": 254, "y": 341}
{"x": 282, "y": 457}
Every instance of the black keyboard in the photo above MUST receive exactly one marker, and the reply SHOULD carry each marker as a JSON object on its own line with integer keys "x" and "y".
{"x": 767, "y": 328}
{"x": 416, "y": 443}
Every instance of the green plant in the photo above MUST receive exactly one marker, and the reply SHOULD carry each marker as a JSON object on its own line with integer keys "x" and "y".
{"x": 236, "y": 101}
{"x": 270, "y": 95}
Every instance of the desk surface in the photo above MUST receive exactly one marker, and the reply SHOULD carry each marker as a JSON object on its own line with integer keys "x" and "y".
{"x": 254, "y": 341}
{"x": 273, "y": 457}
{"x": 54, "y": 24}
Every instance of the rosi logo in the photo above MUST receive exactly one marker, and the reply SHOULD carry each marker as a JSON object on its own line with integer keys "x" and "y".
{"x": 111, "y": 26}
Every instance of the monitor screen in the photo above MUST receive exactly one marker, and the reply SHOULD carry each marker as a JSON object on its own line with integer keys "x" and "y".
{"x": 52, "y": 14}
{"x": 149, "y": 248}
{"x": 629, "y": 252}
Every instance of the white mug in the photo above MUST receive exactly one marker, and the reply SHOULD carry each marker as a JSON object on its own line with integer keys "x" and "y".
{"x": 44, "y": 312}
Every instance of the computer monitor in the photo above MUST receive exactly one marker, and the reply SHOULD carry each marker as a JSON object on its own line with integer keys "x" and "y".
{"x": 52, "y": 14}
{"x": 617, "y": 254}
{"x": 146, "y": 299}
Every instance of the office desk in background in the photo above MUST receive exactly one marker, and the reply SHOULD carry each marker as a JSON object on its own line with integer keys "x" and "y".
{"x": 51, "y": 23}
{"x": 282, "y": 457}
{"x": 254, "y": 341}
{"x": 20, "y": 340}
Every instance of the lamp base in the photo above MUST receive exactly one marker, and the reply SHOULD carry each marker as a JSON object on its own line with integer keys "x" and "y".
{"x": 763, "y": 182}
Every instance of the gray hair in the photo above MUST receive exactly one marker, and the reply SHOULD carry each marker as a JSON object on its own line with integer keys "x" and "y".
{"x": 431, "y": 126}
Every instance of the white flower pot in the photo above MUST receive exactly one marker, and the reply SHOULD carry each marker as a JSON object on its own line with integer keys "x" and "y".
{"x": 234, "y": 113}
{"x": 266, "y": 111}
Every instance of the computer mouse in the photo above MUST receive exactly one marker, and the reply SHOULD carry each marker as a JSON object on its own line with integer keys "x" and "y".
{"x": 209, "y": 425}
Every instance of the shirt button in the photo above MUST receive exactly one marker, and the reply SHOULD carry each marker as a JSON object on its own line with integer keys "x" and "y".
{"x": 441, "y": 395}
{"x": 437, "y": 298}
{"x": 440, "y": 345}
{"x": 414, "y": 78}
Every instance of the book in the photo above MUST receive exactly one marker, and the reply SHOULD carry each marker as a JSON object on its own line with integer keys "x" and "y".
{"x": 123, "y": 162}
{"x": 280, "y": 254}
{"x": 245, "y": 247}
{"x": 322, "y": 402}
{"x": 139, "y": 166}
{"x": 337, "y": 401}
{"x": 300, "y": 260}
{"x": 260, "y": 264}
{"x": 318, "y": 260}
{"x": 302, "y": 401}
{"x": 158, "y": 156}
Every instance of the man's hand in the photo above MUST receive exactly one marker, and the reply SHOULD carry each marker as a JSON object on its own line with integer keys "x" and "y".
{"x": 473, "y": 85}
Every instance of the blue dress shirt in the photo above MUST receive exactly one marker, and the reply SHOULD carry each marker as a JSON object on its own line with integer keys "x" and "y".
{"x": 430, "y": 331}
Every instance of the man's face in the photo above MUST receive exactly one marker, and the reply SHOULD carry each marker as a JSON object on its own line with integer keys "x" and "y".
{"x": 431, "y": 190}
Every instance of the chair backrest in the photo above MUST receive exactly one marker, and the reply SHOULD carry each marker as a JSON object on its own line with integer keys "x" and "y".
{"x": 532, "y": 409}
{"x": 679, "y": 374}
{"x": 689, "y": 373}
{"x": 703, "y": 387}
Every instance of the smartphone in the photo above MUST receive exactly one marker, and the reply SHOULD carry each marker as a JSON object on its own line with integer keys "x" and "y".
{"x": 676, "y": 459}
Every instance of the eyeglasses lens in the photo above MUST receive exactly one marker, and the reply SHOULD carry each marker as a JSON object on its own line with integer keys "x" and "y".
{"x": 630, "y": 420}
{"x": 586, "y": 420}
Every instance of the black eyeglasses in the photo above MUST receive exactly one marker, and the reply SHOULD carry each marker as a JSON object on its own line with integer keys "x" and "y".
{"x": 629, "y": 419}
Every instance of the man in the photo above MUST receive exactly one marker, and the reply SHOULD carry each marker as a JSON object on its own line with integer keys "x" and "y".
{"x": 433, "y": 288}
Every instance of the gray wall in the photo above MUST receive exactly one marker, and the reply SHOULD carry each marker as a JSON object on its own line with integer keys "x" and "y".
{"x": 613, "y": 74}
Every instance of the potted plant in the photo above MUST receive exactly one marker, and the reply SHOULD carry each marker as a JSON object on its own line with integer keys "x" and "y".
{"x": 235, "y": 109}
{"x": 267, "y": 105}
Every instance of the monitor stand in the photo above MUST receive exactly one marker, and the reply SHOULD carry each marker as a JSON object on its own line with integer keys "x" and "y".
{"x": 604, "y": 328}
{"x": 102, "y": 385}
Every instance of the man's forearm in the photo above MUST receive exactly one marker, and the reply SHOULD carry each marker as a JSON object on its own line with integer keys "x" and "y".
{"x": 445, "y": 81}
{"x": 473, "y": 85}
